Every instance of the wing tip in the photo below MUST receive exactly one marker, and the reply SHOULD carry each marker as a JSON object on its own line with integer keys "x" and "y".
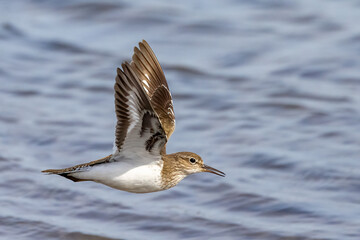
{"x": 143, "y": 42}
{"x": 118, "y": 71}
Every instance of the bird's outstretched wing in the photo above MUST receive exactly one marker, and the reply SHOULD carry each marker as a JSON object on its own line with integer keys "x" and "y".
{"x": 139, "y": 132}
{"x": 152, "y": 78}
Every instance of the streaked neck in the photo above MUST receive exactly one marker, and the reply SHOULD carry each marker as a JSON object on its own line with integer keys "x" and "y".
{"x": 171, "y": 173}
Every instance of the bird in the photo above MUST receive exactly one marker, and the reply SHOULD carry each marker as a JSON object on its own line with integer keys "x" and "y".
{"x": 145, "y": 121}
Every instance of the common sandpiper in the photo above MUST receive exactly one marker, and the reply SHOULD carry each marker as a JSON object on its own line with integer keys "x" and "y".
{"x": 145, "y": 122}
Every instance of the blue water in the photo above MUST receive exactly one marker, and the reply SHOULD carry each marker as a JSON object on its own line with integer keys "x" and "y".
{"x": 266, "y": 91}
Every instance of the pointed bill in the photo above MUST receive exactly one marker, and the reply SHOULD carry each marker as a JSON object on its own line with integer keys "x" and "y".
{"x": 213, "y": 170}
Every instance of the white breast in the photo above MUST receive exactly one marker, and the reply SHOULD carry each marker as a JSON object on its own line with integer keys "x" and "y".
{"x": 124, "y": 175}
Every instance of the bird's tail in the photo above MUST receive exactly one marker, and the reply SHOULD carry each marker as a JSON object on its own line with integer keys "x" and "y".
{"x": 66, "y": 172}
{"x": 54, "y": 171}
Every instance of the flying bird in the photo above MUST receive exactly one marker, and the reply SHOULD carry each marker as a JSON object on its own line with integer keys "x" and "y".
{"x": 145, "y": 122}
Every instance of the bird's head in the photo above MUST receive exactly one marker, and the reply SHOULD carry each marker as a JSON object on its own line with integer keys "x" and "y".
{"x": 191, "y": 163}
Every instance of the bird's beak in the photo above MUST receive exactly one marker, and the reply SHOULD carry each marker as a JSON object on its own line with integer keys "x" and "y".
{"x": 213, "y": 170}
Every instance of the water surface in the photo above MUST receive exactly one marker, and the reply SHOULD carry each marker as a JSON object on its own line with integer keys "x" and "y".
{"x": 266, "y": 91}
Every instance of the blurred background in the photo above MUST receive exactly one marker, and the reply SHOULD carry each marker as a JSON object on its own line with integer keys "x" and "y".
{"x": 267, "y": 91}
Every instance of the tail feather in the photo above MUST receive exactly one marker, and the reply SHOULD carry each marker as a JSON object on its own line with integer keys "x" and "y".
{"x": 63, "y": 173}
{"x": 53, "y": 171}
{"x": 66, "y": 172}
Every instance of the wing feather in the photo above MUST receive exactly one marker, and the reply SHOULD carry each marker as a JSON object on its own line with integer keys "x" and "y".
{"x": 152, "y": 78}
{"x": 138, "y": 128}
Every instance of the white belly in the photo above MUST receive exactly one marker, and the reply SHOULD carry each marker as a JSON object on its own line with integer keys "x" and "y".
{"x": 125, "y": 176}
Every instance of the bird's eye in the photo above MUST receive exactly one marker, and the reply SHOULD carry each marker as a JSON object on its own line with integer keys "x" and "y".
{"x": 192, "y": 160}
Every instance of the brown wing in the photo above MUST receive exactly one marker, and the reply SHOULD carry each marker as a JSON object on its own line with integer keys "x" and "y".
{"x": 138, "y": 130}
{"x": 148, "y": 69}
